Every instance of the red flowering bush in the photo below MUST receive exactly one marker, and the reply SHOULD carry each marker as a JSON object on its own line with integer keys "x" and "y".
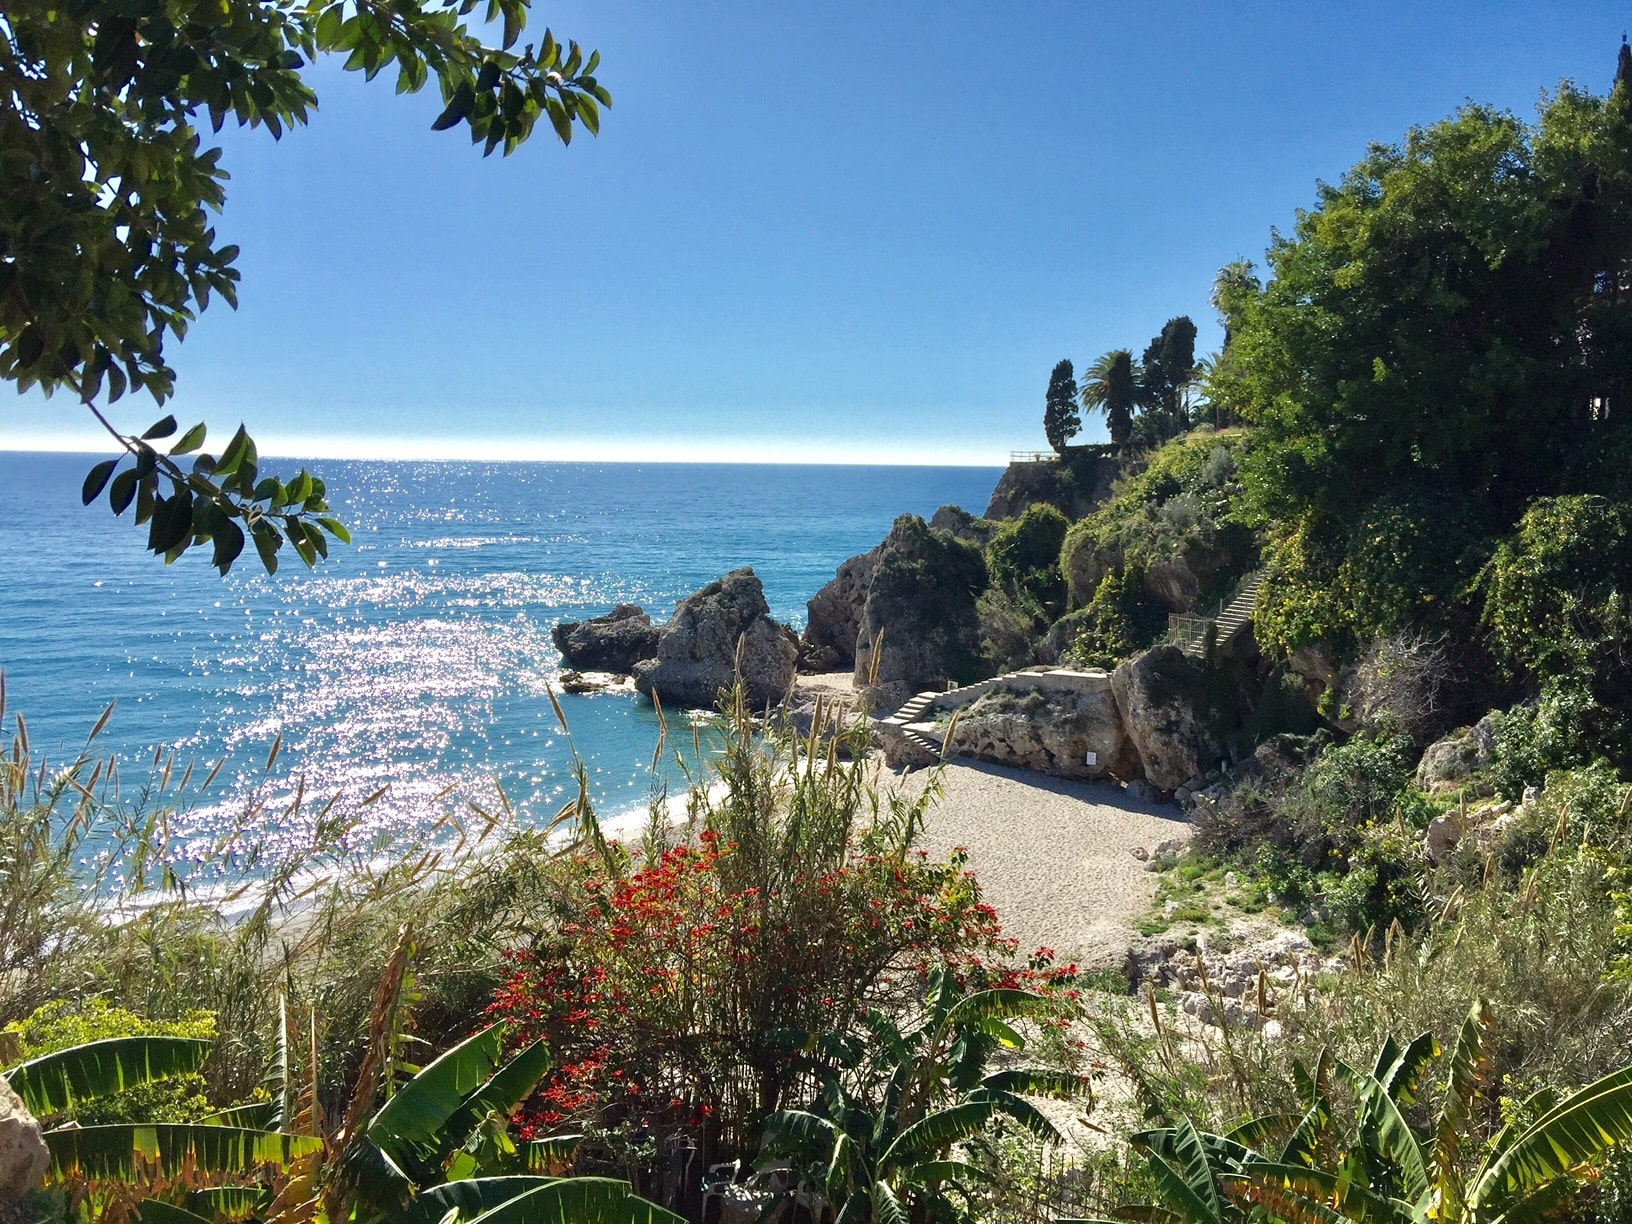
{"x": 683, "y": 989}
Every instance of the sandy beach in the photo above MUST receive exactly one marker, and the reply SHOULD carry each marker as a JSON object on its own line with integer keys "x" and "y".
{"x": 1056, "y": 857}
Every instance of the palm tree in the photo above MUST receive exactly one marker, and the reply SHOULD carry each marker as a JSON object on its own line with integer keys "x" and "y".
{"x": 1382, "y": 1171}
{"x": 885, "y": 1124}
{"x": 1111, "y": 385}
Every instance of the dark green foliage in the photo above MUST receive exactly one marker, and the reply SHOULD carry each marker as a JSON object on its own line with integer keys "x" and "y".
{"x": 107, "y": 183}
{"x": 1558, "y": 591}
{"x": 1448, "y": 319}
{"x": 1111, "y": 386}
{"x": 1168, "y": 367}
{"x": 1116, "y": 622}
{"x": 1023, "y": 557}
{"x": 1060, "y": 420}
{"x": 1564, "y": 727}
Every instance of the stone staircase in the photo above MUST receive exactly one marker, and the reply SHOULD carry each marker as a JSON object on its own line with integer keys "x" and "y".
{"x": 1189, "y": 633}
{"x": 914, "y": 722}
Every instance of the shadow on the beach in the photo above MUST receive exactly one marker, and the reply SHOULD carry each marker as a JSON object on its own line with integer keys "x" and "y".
{"x": 1110, "y": 794}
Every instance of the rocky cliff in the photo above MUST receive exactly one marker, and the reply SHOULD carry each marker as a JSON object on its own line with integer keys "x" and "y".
{"x": 612, "y": 643}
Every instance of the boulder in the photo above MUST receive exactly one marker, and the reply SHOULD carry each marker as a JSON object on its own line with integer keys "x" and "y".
{"x": 611, "y": 643}
{"x": 920, "y": 602}
{"x": 1053, "y": 730}
{"x": 834, "y": 616}
{"x": 697, "y": 651}
{"x": 24, "y": 1158}
{"x": 1161, "y": 695}
{"x": 1449, "y": 763}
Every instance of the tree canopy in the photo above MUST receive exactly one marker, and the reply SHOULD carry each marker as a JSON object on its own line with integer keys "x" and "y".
{"x": 1060, "y": 420}
{"x": 107, "y": 181}
{"x": 1112, "y": 387}
{"x": 1444, "y": 339}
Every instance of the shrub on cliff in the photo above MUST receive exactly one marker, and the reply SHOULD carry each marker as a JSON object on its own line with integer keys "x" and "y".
{"x": 1176, "y": 516}
{"x": 1023, "y": 558}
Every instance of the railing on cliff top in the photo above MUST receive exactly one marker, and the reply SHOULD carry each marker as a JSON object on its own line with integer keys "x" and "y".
{"x": 1094, "y": 449}
{"x": 1032, "y": 456}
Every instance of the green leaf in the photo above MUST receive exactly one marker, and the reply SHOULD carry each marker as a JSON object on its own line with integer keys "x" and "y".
{"x": 542, "y": 1155}
{"x": 112, "y": 1151}
{"x": 152, "y": 1211}
{"x": 470, "y": 1197}
{"x": 267, "y": 543}
{"x": 932, "y": 1135}
{"x": 335, "y": 528}
{"x": 81, "y": 1074}
{"x": 228, "y": 1202}
{"x": 190, "y": 441}
{"x": 579, "y": 1200}
{"x": 413, "y": 1119}
{"x": 229, "y": 543}
{"x": 160, "y": 429}
{"x": 97, "y": 479}
{"x": 458, "y": 107}
{"x": 124, "y": 488}
{"x": 509, "y": 1086}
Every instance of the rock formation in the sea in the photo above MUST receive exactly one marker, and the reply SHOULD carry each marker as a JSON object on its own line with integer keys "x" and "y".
{"x": 611, "y": 643}
{"x": 24, "y": 1158}
{"x": 833, "y": 616}
{"x": 1161, "y": 695}
{"x": 697, "y": 651}
{"x": 921, "y": 602}
{"x": 1054, "y": 730}
{"x": 1074, "y": 485}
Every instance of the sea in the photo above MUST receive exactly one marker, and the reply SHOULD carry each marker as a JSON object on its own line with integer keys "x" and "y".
{"x": 410, "y": 673}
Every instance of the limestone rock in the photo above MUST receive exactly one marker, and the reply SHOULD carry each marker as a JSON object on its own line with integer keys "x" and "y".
{"x": 611, "y": 643}
{"x": 1447, "y": 764}
{"x": 834, "y": 616}
{"x": 24, "y": 1158}
{"x": 1053, "y": 731}
{"x": 921, "y": 601}
{"x": 961, "y": 525}
{"x": 1161, "y": 696}
{"x": 1074, "y": 485}
{"x": 697, "y": 650}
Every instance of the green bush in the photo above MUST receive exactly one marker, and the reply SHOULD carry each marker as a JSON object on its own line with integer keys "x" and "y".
{"x": 1563, "y": 728}
{"x": 1023, "y": 558}
{"x": 62, "y": 1024}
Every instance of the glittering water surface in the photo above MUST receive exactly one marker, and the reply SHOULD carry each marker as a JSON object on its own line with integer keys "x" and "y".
{"x": 419, "y": 657}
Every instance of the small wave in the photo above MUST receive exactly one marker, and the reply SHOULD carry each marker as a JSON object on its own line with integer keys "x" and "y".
{"x": 473, "y": 541}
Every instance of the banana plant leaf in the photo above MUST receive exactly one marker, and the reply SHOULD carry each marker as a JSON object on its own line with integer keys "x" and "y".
{"x": 470, "y": 1198}
{"x": 579, "y": 1200}
{"x": 413, "y": 1120}
{"x": 152, "y": 1211}
{"x": 115, "y": 1151}
{"x": 76, "y": 1076}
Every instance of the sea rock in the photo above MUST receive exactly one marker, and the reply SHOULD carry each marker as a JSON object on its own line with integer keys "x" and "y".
{"x": 920, "y": 603}
{"x": 24, "y": 1158}
{"x": 611, "y": 643}
{"x": 1161, "y": 696}
{"x": 834, "y": 616}
{"x": 698, "y": 650}
{"x": 1053, "y": 730}
{"x": 1447, "y": 764}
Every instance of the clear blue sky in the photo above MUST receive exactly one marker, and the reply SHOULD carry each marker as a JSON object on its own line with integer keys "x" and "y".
{"x": 807, "y": 231}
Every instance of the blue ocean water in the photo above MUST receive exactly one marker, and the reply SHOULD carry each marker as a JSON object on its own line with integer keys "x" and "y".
{"x": 419, "y": 657}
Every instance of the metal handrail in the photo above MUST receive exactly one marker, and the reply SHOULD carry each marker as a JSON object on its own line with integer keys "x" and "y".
{"x": 1032, "y": 456}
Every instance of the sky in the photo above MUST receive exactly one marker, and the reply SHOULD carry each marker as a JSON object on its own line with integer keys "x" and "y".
{"x": 814, "y": 232}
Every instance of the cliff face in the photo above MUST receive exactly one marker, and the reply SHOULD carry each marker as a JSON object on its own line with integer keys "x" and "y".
{"x": 712, "y": 630}
{"x": 1073, "y": 485}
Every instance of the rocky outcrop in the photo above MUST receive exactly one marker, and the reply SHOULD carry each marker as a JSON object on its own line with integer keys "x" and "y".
{"x": 1068, "y": 732}
{"x": 23, "y": 1155}
{"x": 1074, "y": 485}
{"x": 698, "y": 650}
{"x": 920, "y": 603}
{"x": 611, "y": 643}
{"x": 1161, "y": 696}
{"x": 834, "y": 616}
{"x": 1449, "y": 764}
{"x": 961, "y": 525}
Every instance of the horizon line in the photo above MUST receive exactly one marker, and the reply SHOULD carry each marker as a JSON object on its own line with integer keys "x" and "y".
{"x": 739, "y": 452}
